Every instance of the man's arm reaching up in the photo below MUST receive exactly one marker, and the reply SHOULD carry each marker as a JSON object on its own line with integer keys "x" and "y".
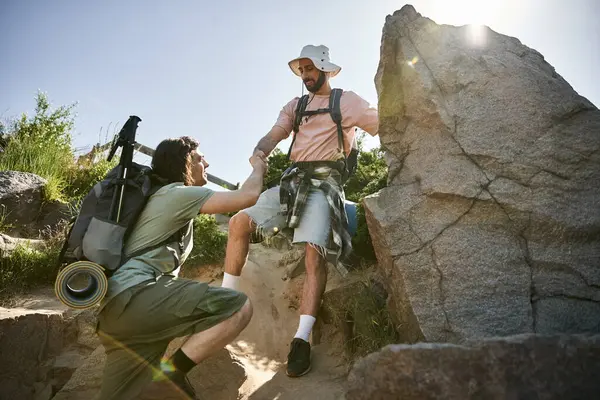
{"x": 268, "y": 142}
{"x": 245, "y": 196}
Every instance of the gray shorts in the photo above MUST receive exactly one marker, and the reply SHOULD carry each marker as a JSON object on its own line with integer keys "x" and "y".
{"x": 315, "y": 223}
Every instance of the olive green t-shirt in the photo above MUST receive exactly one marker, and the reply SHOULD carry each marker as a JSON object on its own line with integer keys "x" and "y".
{"x": 169, "y": 209}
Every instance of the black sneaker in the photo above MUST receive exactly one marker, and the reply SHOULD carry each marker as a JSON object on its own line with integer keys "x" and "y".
{"x": 299, "y": 358}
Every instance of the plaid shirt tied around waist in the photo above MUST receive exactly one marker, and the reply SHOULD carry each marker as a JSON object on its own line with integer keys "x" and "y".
{"x": 295, "y": 186}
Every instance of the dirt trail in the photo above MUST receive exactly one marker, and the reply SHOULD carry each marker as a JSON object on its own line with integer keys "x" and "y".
{"x": 263, "y": 346}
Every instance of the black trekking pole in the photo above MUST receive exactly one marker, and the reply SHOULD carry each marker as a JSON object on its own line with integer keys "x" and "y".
{"x": 126, "y": 139}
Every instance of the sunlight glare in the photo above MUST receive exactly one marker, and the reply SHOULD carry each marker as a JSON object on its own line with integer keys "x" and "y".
{"x": 476, "y": 35}
{"x": 472, "y": 13}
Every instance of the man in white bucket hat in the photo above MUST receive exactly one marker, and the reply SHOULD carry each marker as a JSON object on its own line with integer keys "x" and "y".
{"x": 309, "y": 199}
{"x": 319, "y": 56}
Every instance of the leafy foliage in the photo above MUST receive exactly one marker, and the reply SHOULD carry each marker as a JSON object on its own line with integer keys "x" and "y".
{"x": 278, "y": 163}
{"x": 370, "y": 175}
{"x": 209, "y": 241}
{"x": 41, "y": 145}
{"x": 85, "y": 175}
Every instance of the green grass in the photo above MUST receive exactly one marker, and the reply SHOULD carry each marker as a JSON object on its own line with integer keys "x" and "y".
{"x": 47, "y": 160}
{"x": 4, "y": 224}
{"x": 41, "y": 144}
{"x": 25, "y": 268}
{"x": 362, "y": 314}
{"x": 373, "y": 325}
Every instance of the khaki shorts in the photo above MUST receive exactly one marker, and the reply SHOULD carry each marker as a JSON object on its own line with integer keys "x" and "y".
{"x": 136, "y": 327}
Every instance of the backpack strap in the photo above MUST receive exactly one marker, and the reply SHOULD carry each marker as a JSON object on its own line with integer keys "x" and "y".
{"x": 334, "y": 110}
{"x": 61, "y": 256}
{"x": 177, "y": 236}
{"x": 336, "y": 115}
{"x": 298, "y": 114}
{"x": 300, "y": 108}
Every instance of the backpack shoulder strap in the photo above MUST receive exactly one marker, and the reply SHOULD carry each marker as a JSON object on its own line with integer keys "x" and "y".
{"x": 336, "y": 115}
{"x": 300, "y": 108}
{"x": 176, "y": 237}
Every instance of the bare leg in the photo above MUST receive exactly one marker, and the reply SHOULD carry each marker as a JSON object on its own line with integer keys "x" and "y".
{"x": 203, "y": 344}
{"x": 314, "y": 285}
{"x": 315, "y": 282}
{"x": 240, "y": 228}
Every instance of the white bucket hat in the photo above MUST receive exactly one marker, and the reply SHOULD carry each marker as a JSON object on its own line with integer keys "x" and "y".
{"x": 319, "y": 55}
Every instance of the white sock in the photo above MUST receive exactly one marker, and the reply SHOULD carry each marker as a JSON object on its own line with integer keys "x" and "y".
{"x": 230, "y": 281}
{"x": 305, "y": 327}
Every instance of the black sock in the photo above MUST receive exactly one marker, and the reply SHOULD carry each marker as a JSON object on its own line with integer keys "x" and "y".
{"x": 182, "y": 362}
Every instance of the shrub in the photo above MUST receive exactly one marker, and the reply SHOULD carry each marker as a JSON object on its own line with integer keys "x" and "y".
{"x": 41, "y": 145}
{"x": 84, "y": 176}
{"x": 373, "y": 327}
{"x": 209, "y": 242}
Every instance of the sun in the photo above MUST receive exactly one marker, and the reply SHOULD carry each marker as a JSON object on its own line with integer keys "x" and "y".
{"x": 464, "y": 12}
{"x": 472, "y": 13}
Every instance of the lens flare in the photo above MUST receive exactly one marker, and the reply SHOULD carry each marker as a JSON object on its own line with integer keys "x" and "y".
{"x": 411, "y": 63}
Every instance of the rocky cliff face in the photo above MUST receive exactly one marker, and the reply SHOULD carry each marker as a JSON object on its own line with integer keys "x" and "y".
{"x": 490, "y": 225}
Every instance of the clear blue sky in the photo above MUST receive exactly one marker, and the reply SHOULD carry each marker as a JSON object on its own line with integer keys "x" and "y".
{"x": 218, "y": 70}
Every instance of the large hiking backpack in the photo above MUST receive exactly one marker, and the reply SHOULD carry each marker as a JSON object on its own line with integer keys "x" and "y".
{"x": 102, "y": 228}
{"x": 350, "y": 161}
{"x": 95, "y": 244}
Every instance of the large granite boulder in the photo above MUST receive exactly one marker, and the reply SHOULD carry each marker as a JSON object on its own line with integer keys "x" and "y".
{"x": 21, "y": 197}
{"x": 491, "y": 221}
{"x": 518, "y": 367}
{"x": 24, "y": 212}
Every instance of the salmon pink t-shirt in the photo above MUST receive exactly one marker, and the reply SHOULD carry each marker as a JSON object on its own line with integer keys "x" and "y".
{"x": 317, "y": 137}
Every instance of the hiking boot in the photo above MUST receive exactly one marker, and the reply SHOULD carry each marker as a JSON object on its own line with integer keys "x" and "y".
{"x": 299, "y": 358}
{"x": 171, "y": 385}
{"x": 182, "y": 382}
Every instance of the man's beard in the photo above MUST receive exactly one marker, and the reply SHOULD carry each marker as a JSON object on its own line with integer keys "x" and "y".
{"x": 315, "y": 88}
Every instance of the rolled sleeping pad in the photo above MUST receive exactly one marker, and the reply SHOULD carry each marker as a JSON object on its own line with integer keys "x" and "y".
{"x": 81, "y": 297}
{"x": 352, "y": 217}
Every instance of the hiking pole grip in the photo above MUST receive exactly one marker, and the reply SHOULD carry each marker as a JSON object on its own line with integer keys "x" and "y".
{"x": 127, "y": 156}
{"x": 126, "y": 140}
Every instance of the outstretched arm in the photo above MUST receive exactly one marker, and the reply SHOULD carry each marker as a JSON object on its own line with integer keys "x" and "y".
{"x": 361, "y": 113}
{"x": 244, "y": 197}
